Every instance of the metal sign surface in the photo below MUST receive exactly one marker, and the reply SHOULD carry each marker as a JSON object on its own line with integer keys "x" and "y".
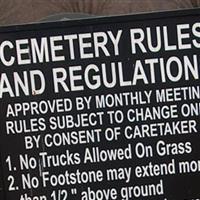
{"x": 101, "y": 109}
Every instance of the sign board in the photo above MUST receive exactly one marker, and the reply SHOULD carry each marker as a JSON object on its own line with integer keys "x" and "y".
{"x": 101, "y": 109}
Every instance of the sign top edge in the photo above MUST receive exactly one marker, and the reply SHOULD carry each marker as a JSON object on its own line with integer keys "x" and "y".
{"x": 100, "y": 20}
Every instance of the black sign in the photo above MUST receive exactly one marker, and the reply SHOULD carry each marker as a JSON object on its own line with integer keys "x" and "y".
{"x": 102, "y": 109}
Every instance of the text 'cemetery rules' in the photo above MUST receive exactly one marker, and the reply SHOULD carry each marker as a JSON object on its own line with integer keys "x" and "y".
{"x": 101, "y": 109}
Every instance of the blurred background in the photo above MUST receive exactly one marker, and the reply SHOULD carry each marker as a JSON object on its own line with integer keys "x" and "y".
{"x": 27, "y": 11}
